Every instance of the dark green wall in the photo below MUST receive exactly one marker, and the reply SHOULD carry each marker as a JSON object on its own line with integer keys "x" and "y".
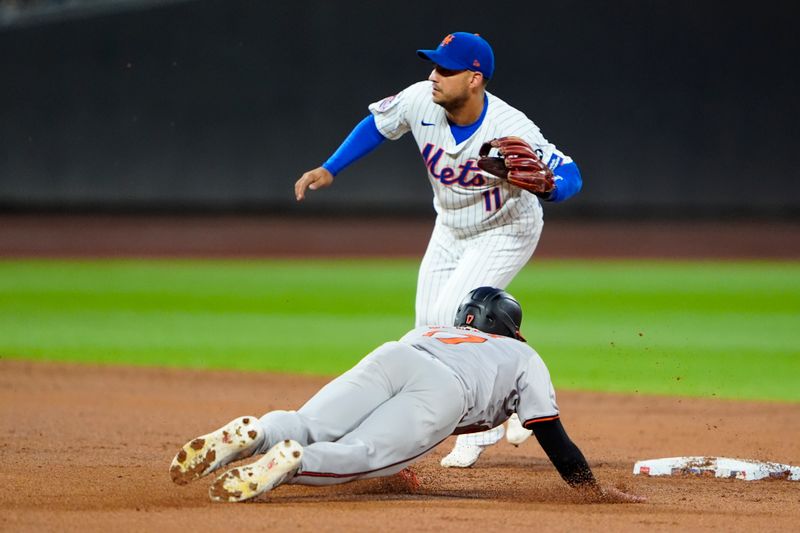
{"x": 672, "y": 106}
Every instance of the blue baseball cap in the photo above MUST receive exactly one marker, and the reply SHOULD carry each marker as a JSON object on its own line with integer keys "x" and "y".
{"x": 462, "y": 51}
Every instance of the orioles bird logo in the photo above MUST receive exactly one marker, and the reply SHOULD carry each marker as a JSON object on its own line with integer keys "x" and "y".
{"x": 447, "y": 40}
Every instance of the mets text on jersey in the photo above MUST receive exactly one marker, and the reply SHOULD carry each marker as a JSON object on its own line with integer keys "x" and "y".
{"x": 448, "y": 175}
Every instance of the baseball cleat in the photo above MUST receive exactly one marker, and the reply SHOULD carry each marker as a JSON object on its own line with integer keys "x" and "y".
{"x": 200, "y": 456}
{"x": 515, "y": 433}
{"x": 462, "y": 456}
{"x": 277, "y": 466}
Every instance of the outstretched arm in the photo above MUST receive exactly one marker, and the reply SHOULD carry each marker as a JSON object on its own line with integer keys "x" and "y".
{"x": 364, "y": 138}
{"x": 570, "y": 463}
{"x": 563, "y": 453}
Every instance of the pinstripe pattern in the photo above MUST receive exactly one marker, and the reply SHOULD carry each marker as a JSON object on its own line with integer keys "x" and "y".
{"x": 454, "y": 266}
{"x": 471, "y": 245}
{"x": 460, "y": 207}
{"x": 477, "y": 241}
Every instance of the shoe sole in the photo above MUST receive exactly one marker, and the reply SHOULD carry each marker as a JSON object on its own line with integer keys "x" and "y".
{"x": 200, "y": 456}
{"x": 242, "y": 483}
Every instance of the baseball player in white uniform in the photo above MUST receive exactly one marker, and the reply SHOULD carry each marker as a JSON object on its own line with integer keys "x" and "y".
{"x": 486, "y": 228}
{"x": 394, "y": 407}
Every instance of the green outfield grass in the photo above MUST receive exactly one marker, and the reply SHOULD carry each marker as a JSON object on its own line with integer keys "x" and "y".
{"x": 724, "y": 329}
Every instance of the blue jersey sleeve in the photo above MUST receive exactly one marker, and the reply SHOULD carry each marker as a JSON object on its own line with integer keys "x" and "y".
{"x": 364, "y": 138}
{"x": 568, "y": 182}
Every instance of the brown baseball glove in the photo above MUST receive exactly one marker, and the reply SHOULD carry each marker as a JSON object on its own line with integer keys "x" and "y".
{"x": 518, "y": 164}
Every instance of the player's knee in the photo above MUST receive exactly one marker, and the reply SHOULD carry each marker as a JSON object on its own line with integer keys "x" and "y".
{"x": 440, "y": 313}
{"x": 446, "y": 313}
{"x": 427, "y": 317}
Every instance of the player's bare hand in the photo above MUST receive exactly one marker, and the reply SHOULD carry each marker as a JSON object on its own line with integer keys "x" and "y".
{"x": 609, "y": 494}
{"x": 313, "y": 179}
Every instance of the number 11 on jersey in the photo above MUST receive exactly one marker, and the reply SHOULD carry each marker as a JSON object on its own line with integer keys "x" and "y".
{"x": 492, "y": 200}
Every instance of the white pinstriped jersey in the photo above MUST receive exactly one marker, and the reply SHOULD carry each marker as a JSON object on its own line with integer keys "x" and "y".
{"x": 466, "y": 199}
{"x": 500, "y": 375}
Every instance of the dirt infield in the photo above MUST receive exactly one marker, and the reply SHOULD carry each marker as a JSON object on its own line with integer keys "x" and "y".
{"x": 88, "y": 448}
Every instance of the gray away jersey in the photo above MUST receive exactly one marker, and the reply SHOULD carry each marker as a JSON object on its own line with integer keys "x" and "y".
{"x": 500, "y": 375}
{"x": 466, "y": 199}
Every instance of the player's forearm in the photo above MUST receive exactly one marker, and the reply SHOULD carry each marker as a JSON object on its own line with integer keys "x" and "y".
{"x": 568, "y": 182}
{"x": 563, "y": 453}
{"x": 364, "y": 138}
{"x": 573, "y": 467}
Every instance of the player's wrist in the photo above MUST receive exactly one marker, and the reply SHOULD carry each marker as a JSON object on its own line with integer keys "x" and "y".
{"x": 591, "y": 489}
{"x": 332, "y": 169}
{"x": 547, "y": 196}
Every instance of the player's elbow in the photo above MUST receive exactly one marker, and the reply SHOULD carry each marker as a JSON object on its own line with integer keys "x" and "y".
{"x": 569, "y": 182}
{"x": 577, "y": 179}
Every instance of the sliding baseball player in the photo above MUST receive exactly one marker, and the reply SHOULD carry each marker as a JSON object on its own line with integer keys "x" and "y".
{"x": 395, "y": 406}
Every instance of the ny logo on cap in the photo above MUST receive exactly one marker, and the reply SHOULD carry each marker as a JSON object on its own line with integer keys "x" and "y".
{"x": 447, "y": 40}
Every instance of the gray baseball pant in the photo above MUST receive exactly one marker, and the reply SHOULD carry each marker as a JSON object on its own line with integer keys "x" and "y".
{"x": 388, "y": 411}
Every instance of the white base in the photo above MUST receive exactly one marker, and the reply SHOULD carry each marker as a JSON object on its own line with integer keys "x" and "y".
{"x": 716, "y": 467}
